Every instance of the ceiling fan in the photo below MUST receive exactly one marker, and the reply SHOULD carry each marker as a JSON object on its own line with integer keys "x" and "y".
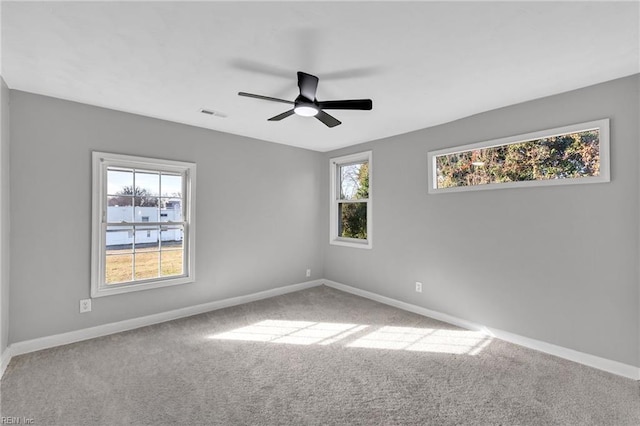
{"x": 307, "y": 105}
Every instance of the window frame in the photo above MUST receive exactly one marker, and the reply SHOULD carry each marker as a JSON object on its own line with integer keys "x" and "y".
{"x": 334, "y": 193}
{"x": 603, "y": 128}
{"x": 101, "y": 161}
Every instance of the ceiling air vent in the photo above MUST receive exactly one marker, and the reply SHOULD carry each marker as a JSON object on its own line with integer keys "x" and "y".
{"x": 213, "y": 113}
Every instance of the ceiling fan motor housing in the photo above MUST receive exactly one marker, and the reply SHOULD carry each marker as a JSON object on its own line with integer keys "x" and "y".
{"x": 305, "y": 107}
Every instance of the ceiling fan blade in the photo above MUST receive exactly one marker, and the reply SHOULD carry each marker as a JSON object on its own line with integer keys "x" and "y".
{"x": 308, "y": 85}
{"x": 327, "y": 119}
{"x": 360, "y": 104}
{"x": 281, "y": 116}
{"x": 266, "y": 98}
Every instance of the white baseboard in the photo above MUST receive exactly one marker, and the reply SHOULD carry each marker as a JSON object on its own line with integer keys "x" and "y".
{"x": 5, "y": 357}
{"x": 33, "y": 345}
{"x": 40, "y": 343}
{"x": 604, "y": 364}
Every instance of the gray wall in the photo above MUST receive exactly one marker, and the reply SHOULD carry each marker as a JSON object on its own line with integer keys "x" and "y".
{"x": 558, "y": 264}
{"x": 257, "y": 217}
{"x": 4, "y": 215}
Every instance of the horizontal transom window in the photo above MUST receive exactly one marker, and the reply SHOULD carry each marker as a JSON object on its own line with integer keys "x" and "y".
{"x": 573, "y": 154}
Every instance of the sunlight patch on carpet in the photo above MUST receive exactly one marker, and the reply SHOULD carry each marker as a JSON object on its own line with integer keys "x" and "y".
{"x": 385, "y": 337}
{"x": 424, "y": 340}
{"x": 291, "y": 332}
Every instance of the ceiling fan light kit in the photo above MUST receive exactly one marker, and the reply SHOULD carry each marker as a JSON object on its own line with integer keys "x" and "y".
{"x": 309, "y": 110}
{"x": 306, "y": 104}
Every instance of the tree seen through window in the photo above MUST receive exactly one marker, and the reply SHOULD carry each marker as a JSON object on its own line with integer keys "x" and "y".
{"x": 571, "y": 155}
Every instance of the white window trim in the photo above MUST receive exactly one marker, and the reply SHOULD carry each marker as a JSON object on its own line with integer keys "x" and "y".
{"x": 604, "y": 176}
{"x": 101, "y": 161}
{"x": 334, "y": 194}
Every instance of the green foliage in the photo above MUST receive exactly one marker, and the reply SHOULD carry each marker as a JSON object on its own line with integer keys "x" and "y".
{"x": 566, "y": 156}
{"x": 353, "y": 216}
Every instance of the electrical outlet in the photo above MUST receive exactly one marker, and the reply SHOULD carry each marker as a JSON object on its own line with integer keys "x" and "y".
{"x": 85, "y": 305}
{"x": 308, "y": 272}
{"x": 418, "y": 287}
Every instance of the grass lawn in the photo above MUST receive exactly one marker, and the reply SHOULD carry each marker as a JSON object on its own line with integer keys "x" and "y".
{"x": 149, "y": 263}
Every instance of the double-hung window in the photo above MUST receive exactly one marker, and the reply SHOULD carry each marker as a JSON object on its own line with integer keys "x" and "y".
{"x": 143, "y": 223}
{"x": 351, "y": 200}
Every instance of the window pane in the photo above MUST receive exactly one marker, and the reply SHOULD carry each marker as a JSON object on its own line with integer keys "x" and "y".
{"x": 171, "y": 185}
{"x": 120, "y": 209}
{"x": 145, "y": 201}
{"x": 118, "y": 268}
{"x": 147, "y": 183}
{"x": 146, "y": 237}
{"x": 354, "y": 181}
{"x": 147, "y": 264}
{"x": 171, "y": 261}
{"x": 571, "y": 155}
{"x": 172, "y": 236}
{"x": 119, "y": 238}
{"x": 352, "y": 220}
{"x": 151, "y": 213}
{"x": 171, "y": 210}
{"x": 119, "y": 181}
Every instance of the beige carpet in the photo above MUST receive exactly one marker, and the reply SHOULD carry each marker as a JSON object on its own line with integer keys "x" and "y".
{"x": 318, "y": 356}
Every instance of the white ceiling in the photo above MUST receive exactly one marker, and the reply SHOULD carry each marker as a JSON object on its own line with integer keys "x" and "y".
{"x": 422, "y": 63}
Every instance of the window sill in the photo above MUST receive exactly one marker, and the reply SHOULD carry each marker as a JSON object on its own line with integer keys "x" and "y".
{"x": 109, "y": 290}
{"x": 351, "y": 242}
